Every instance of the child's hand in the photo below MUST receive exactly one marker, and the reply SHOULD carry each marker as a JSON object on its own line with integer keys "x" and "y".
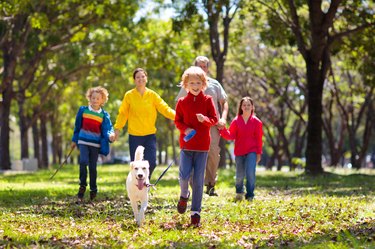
{"x": 112, "y": 137}
{"x": 188, "y": 130}
{"x": 73, "y": 145}
{"x": 200, "y": 117}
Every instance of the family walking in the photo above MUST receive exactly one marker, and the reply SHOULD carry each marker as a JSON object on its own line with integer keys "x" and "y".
{"x": 201, "y": 112}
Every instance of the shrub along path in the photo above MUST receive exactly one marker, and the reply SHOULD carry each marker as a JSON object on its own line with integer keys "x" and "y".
{"x": 291, "y": 210}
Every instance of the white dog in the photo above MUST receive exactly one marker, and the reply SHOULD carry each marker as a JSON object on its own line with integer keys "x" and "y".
{"x": 137, "y": 185}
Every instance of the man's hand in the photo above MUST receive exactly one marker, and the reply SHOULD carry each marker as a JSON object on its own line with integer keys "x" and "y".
{"x": 259, "y": 156}
{"x": 221, "y": 124}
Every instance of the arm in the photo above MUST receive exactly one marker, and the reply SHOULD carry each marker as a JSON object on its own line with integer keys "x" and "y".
{"x": 122, "y": 116}
{"x": 211, "y": 118}
{"x": 107, "y": 128}
{"x": 164, "y": 108}
{"x": 229, "y": 134}
{"x": 78, "y": 124}
{"x": 259, "y": 140}
{"x": 179, "y": 119}
{"x": 224, "y": 114}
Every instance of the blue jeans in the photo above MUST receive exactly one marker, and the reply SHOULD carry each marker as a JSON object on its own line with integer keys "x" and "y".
{"x": 245, "y": 166}
{"x": 193, "y": 161}
{"x": 149, "y": 142}
{"x": 88, "y": 156}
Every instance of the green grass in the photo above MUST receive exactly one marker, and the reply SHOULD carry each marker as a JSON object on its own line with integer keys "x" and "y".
{"x": 291, "y": 210}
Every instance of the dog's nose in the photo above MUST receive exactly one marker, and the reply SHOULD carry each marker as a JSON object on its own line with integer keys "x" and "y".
{"x": 140, "y": 176}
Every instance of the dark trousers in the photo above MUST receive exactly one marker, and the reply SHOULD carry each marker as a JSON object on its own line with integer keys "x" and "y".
{"x": 88, "y": 157}
{"x": 149, "y": 142}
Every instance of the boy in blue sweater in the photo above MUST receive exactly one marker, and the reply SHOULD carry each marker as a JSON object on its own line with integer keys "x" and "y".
{"x": 92, "y": 133}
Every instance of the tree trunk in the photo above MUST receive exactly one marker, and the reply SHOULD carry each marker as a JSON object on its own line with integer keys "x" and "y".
{"x": 44, "y": 139}
{"x": 35, "y": 130}
{"x": 315, "y": 123}
{"x": 23, "y": 123}
{"x": 5, "y": 129}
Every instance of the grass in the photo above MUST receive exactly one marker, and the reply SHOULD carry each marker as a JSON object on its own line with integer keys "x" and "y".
{"x": 291, "y": 210}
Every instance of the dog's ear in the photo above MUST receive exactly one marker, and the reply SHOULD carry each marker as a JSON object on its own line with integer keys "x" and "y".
{"x": 131, "y": 165}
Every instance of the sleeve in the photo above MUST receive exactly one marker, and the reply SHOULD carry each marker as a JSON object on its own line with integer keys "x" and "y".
{"x": 259, "y": 137}
{"x": 231, "y": 133}
{"x": 179, "y": 118}
{"x": 107, "y": 128}
{"x": 78, "y": 124}
{"x": 123, "y": 113}
{"x": 163, "y": 107}
{"x": 211, "y": 117}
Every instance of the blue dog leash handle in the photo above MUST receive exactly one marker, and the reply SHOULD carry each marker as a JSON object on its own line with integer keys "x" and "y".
{"x": 190, "y": 135}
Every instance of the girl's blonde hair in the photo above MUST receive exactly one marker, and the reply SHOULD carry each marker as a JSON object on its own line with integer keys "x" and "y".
{"x": 98, "y": 89}
{"x": 240, "y": 112}
{"x": 194, "y": 71}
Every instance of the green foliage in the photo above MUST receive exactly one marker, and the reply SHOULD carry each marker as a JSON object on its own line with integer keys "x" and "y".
{"x": 291, "y": 210}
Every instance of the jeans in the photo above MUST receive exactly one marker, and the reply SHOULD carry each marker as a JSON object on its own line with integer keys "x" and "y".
{"x": 193, "y": 161}
{"x": 245, "y": 166}
{"x": 149, "y": 142}
{"x": 88, "y": 156}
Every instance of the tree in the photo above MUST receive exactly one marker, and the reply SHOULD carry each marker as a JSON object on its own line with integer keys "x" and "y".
{"x": 31, "y": 31}
{"x": 219, "y": 15}
{"x": 315, "y": 32}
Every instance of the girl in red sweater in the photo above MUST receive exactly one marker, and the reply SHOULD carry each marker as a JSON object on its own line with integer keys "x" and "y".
{"x": 194, "y": 113}
{"x": 246, "y": 131}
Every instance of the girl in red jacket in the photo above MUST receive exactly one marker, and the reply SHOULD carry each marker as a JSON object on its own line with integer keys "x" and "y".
{"x": 246, "y": 130}
{"x": 194, "y": 113}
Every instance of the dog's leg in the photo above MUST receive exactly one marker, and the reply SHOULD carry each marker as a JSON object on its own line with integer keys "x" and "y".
{"x": 142, "y": 211}
{"x": 134, "y": 205}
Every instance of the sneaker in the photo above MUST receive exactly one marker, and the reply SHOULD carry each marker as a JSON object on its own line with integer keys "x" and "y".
{"x": 92, "y": 195}
{"x": 249, "y": 198}
{"x": 239, "y": 196}
{"x": 212, "y": 192}
{"x": 182, "y": 204}
{"x": 81, "y": 192}
{"x": 196, "y": 220}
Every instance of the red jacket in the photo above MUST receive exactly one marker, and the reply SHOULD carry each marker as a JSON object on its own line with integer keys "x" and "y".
{"x": 248, "y": 137}
{"x": 186, "y": 109}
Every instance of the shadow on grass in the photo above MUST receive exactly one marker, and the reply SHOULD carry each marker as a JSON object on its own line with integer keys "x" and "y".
{"x": 330, "y": 184}
{"x": 360, "y": 235}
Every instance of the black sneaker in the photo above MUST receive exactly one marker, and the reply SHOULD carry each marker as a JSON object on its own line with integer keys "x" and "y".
{"x": 81, "y": 193}
{"x": 92, "y": 195}
{"x": 195, "y": 220}
{"x": 211, "y": 191}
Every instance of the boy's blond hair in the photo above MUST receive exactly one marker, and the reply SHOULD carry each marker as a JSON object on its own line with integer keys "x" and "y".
{"x": 194, "y": 71}
{"x": 98, "y": 89}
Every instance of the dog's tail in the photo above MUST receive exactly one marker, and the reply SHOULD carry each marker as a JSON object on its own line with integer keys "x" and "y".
{"x": 139, "y": 153}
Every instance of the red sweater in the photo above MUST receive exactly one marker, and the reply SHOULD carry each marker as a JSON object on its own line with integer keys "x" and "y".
{"x": 186, "y": 109}
{"x": 248, "y": 137}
